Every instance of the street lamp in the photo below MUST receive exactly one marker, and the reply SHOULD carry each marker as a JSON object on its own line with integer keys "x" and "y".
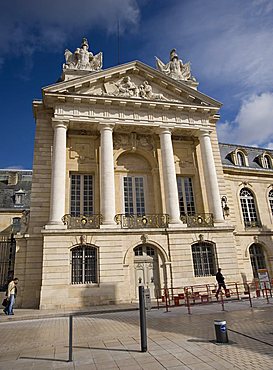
{"x": 225, "y": 207}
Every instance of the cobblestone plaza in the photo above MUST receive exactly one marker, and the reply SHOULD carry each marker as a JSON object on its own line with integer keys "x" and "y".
{"x": 111, "y": 340}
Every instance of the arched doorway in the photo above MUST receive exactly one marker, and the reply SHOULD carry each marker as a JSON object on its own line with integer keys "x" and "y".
{"x": 257, "y": 258}
{"x": 146, "y": 266}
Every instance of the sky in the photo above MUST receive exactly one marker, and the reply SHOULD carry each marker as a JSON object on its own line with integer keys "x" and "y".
{"x": 228, "y": 42}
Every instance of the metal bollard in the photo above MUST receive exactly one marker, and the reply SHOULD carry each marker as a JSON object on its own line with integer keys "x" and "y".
{"x": 142, "y": 316}
{"x": 70, "y": 338}
{"x": 221, "y": 331}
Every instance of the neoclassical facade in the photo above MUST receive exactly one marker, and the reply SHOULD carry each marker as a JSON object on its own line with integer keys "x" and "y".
{"x": 129, "y": 188}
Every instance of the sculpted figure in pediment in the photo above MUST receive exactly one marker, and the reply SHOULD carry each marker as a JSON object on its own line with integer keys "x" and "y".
{"x": 127, "y": 88}
{"x": 175, "y": 68}
{"x": 82, "y": 58}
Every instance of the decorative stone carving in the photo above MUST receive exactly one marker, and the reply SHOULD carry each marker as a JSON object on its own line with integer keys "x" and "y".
{"x": 133, "y": 141}
{"x": 83, "y": 239}
{"x": 82, "y": 58}
{"x": 144, "y": 238}
{"x": 175, "y": 68}
{"x": 128, "y": 89}
{"x": 144, "y": 142}
{"x": 24, "y": 221}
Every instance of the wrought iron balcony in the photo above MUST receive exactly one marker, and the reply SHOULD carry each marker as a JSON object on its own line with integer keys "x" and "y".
{"x": 82, "y": 222}
{"x": 198, "y": 220}
{"x": 142, "y": 221}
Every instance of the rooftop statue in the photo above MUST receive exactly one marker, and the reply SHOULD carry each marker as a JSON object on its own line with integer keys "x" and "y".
{"x": 82, "y": 58}
{"x": 175, "y": 68}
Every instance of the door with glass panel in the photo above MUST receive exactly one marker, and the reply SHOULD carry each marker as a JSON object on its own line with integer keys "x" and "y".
{"x": 185, "y": 196}
{"x": 147, "y": 269}
{"x": 81, "y": 195}
{"x": 133, "y": 195}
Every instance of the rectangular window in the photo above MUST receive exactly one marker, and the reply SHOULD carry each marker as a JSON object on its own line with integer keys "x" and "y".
{"x": 81, "y": 195}
{"x": 203, "y": 259}
{"x": 84, "y": 265}
{"x": 133, "y": 192}
{"x": 185, "y": 196}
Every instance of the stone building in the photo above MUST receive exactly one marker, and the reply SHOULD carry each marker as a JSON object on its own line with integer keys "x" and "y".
{"x": 129, "y": 188}
{"x": 15, "y": 187}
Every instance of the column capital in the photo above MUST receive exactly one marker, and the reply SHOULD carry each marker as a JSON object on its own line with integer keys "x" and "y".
{"x": 203, "y": 133}
{"x": 164, "y": 130}
{"x": 106, "y": 126}
{"x": 58, "y": 123}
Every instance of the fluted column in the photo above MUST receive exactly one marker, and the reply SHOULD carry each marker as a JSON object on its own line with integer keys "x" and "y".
{"x": 107, "y": 179}
{"x": 169, "y": 176}
{"x": 210, "y": 176}
{"x": 58, "y": 174}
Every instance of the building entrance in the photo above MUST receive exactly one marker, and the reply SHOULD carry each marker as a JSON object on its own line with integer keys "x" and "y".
{"x": 147, "y": 269}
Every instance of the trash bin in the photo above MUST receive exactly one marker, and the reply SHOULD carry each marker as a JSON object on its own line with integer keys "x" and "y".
{"x": 221, "y": 331}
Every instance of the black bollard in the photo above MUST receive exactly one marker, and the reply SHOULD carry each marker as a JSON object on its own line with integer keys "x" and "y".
{"x": 221, "y": 331}
{"x": 142, "y": 316}
{"x": 70, "y": 337}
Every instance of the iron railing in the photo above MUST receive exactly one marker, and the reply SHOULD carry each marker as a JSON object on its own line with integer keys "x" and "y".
{"x": 198, "y": 220}
{"x": 82, "y": 222}
{"x": 7, "y": 260}
{"x": 250, "y": 224}
{"x": 142, "y": 221}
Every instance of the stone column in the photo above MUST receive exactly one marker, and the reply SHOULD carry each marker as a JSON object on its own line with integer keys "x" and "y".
{"x": 211, "y": 181}
{"x": 169, "y": 176}
{"x": 107, "y": 178}
{"x": 58, "y": 174}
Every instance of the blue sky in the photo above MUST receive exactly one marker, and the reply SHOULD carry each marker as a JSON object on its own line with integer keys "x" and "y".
{"x": 228, "y": 42}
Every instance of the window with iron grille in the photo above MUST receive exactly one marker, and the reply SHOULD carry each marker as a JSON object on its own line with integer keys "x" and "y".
{"x": 257, "y": 258}
{"x": 248, "y": 208}
{"x": 81, "y": 195}
{"x": 270, "y": 198}
{"x": 133, "y": 192}
{"x": 203, "y": 256}
{"x": 84, "y": 265}
{"x": 185, "y": 196}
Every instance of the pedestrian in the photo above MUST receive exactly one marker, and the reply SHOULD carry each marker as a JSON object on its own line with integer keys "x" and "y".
{"x": 11, "y": 295}
{"x": 221, "y": 282}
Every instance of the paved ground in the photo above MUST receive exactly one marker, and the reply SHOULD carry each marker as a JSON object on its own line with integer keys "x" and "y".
{"x": 104, "y": 340}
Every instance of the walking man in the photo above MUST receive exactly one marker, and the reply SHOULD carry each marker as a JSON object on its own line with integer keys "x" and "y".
{"x": 221, "y": 282}
{"x": 11, "y": 295}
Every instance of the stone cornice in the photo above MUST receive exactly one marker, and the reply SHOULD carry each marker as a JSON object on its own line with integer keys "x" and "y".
{"x": 54, "y": 99}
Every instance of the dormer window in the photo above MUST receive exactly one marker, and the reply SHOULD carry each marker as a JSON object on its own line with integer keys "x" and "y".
{"x": 19, "y": 197}
{"x": 241, "y": 159}
{"x": 267, "y": 161}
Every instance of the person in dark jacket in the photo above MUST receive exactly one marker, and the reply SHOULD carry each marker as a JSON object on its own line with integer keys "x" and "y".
{"x": 221, "y": 282}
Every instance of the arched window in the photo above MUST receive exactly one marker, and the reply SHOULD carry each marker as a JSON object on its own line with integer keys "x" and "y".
{"x": 248, "y": 208}
{"x": 84, "y": 265}
{"x": 267, "y": 161}
{"x": 257, "y": 258}
{"x": 241, "y": 159}
{"x": 270, "y": 198}
{"x": 203, "y": 256}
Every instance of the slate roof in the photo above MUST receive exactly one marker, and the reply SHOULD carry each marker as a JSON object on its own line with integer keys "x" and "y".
{"x": 12, "y": 181}
{"x": 252, "y": 155}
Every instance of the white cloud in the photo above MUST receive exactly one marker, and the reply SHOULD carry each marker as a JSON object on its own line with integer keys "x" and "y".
{"x": 47, "y": 24}
{"x": 253, "y": 124}
{"x": 228, "y": 44}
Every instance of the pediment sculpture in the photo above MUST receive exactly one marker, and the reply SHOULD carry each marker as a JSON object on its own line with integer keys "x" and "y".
{"x": 82, "y": 58}
{"x": 175, "y": 68}
{"x": 128, "y": 89}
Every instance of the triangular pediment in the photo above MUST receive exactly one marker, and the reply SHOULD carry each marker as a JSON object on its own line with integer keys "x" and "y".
{"x": 133, "y": 81}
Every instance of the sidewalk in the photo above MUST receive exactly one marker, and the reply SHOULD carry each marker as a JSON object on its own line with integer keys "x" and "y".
{"x": 108, "y": 337}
